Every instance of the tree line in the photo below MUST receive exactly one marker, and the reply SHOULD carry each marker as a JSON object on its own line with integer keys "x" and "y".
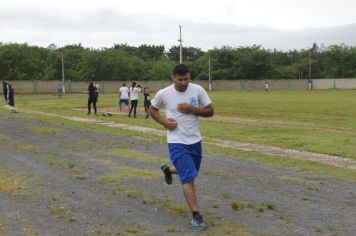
{"x": 152, "y": 62}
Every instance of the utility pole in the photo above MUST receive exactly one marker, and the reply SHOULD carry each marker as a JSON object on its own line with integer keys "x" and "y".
{"x": 180, "y": 44}
{"x": 64, "y": 87}
{"x": 209, "y": 74}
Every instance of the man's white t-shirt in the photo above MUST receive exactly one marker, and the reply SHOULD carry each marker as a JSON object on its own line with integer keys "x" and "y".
{"x": 124, "y": 92}
{"x": 187, "y": 131}
{"x": 134, "y": 93}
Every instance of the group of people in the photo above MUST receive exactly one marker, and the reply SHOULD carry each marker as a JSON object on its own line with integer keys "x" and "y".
{"x": 126, "y": 96}
{"x": 132, "y": 94}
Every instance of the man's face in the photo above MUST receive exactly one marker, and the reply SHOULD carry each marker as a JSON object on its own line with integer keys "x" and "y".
{"x": 181, "y": 81}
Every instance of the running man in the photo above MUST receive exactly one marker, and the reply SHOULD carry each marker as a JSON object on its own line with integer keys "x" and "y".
{"x": 124, "y": 96}
{"x": 184, "y": 102}
{"x": 134, "y": 91}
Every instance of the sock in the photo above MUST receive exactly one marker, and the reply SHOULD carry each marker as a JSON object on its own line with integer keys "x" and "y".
{"x": 196, "y": 214}
{"x": 167, "y": 171}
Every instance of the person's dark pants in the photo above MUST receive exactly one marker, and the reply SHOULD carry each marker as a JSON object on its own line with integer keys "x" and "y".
{"x": 92, "y": 100}
{"x": 133, "y": 107}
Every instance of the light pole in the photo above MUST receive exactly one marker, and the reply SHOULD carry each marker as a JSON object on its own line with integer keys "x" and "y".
{"x": 180, "y": 44}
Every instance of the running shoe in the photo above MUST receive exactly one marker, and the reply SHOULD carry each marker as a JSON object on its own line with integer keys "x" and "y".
{"x": 167, "y": 174}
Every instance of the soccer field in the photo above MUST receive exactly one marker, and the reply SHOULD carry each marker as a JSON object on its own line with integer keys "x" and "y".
{"x": 316, "y": 121}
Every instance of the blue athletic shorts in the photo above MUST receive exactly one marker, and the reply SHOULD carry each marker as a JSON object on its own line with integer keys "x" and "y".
{"x": 125, "y": 101}
{"x": 186, "y": 159}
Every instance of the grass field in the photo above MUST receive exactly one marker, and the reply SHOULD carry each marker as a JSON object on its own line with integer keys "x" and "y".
{"x": 317, "y": 121}
{"x": 91, "y": 179}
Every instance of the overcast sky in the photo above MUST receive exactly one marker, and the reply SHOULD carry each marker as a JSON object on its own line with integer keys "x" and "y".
{"x": 281, "y": 24}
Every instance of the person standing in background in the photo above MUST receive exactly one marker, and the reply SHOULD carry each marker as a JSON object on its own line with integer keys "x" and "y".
{"x": 92, "y": 90}
{"x": 134, "y": 91}
{"x": 124, "y": 96}
{"x": 147, "y": 101}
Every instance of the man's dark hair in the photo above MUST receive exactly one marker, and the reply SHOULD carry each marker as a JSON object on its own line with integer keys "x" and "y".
{"x": 180, "y": 69}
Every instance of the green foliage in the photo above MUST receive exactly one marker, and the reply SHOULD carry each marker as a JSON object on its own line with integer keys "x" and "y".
{"x": 151, "y": 62}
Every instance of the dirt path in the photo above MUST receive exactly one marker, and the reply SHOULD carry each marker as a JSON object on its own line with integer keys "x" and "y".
{"x": 56, "y": 180}
{"x": 304, "y": 155}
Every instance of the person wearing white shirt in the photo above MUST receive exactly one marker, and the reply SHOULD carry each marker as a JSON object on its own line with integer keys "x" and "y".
{"x": 183, "y": 102}
{"x": 134, "y": 91}
{"x": 124, "y": 96}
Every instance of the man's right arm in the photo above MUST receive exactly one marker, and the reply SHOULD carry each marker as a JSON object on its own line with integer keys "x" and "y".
{"x": 170, "y": 124}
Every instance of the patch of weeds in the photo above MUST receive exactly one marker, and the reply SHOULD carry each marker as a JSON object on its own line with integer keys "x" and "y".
{"x": 318, "y": 230}
{"x": 103, "y": 231}
{"x": 295, "y": 179}
{"x": 265, "y": 234}
{"x": 66, "y": 165}
{"x": 215, "y": 206}
{"x": 225, "y": 195}
{"x": 126, "y": 231}
{"x": 261, "y": 207}
{"x": 286, "y": 218}
{"x": 92, "y": 143}
{"x": 174, "y": 206}
{"x": 45, "y": 130}
{"x": 60, "y": 208}
{"x": 215, "y": 172}
{"x": 133, "y": 229}
{"x": 138, "y": 173}
{"x": 127, "y": 153}
{"x": 5, "y": 138}
{"x": 170, "y": 229}
{"x": 237, "y": 205}
{"x": 122, "y": 172}
{"x": 228, "y": 228}
{"x": 26, "y": 147}
{"x": 113, "y": 177}
{"x": 30, "y": 231}
{"x": 313, "y": 188}
{"x": 19, "y": 184}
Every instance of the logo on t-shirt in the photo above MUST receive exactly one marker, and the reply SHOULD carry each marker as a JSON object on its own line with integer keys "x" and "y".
{"x": 193, "y": 101}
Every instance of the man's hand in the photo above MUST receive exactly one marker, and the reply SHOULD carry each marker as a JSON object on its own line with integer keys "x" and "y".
{"x": 170, "y": 124}
{"x": 185, "y": 108}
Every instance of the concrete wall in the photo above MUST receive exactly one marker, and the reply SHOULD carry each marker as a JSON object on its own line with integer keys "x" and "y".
{"x": 113, "y": 86}
{"x": 334, "y": 83}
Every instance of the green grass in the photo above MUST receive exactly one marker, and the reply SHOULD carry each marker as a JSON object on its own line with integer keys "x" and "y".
{"x": 318, "y": 121}
{"x": 285, "y": 162}
{"x": 217, "y": 173}
{"x": 65, "y": 164}
{"x": 19, "y": 184}
{"x": 237, "y": 205}
{"x": 127, "y": 153}
{"x": 44, "y": 130}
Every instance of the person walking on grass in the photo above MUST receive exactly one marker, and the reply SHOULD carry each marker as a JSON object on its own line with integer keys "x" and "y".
{"x": 124, "y": 96}
{"x": 92, "y": 97}
{"x": 147, "y": 101}
{"x": 134, "y": 91}
{"x": 184, "y": 102}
